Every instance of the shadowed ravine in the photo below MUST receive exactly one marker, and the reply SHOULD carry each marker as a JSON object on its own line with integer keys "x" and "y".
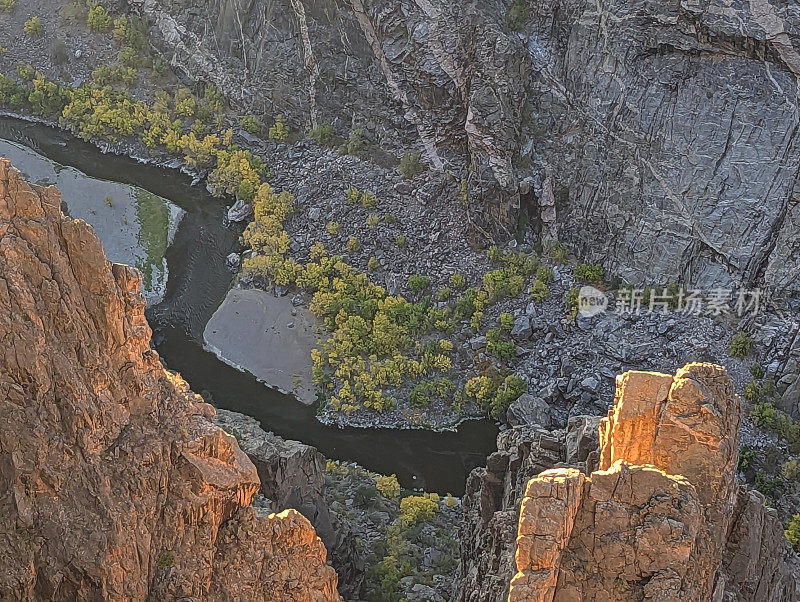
{"x": 199, "y": 280}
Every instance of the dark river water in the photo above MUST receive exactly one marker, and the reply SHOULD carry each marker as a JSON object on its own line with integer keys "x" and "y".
{"x": 198, "y": 281}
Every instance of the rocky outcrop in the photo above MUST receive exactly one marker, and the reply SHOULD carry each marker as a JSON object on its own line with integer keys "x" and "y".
{"x": 292, "y": 475}
{"x": 662, "y": 518}
{"x": 657, "y": 137}
{"x": 114, "y": 482}
{"x": 492, "y": 498}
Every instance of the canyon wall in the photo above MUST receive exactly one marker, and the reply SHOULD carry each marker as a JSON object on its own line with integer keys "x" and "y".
{"x": 114, "y": 482}
{"x": 653, "y": 511}
{"x": 662, "y": 517}
{"x": 660, "y": 138}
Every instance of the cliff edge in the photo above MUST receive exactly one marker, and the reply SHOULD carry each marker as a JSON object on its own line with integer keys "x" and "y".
{"x": 114, "y": 482}
{"x": 662, "y": 517}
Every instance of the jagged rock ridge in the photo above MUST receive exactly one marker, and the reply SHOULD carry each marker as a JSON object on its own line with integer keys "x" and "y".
{"x": 114, "y": 482}
{"x": 662, "y": 517}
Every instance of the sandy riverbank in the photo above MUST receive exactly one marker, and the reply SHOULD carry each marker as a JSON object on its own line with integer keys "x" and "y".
{"x": 251, "y": 331}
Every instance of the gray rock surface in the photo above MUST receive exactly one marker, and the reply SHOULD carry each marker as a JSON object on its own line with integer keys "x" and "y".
{"x": 658, "y": 138}
{"x": 293, "y": 476}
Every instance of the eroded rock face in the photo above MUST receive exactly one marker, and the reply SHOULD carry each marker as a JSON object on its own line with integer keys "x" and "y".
{"x": 657, "y": 137}
{"x": 114, "y": 482}
{"x": 662, "y": 518}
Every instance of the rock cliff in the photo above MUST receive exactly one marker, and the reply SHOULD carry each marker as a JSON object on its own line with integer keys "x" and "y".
{"x": 662, "y": 517}
{"x": 657, "y": 137}
{"x": 114, "y": 482}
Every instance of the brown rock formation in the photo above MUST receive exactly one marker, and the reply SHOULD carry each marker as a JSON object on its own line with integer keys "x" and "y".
{"x": 662, "y": 518}
{"x": 114, "y": 482}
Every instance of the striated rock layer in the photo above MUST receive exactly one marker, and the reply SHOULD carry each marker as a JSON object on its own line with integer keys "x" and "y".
{"x": 114, "y": 482}
{"x": 660, "y": 138}
{"x": 662, "y": 518}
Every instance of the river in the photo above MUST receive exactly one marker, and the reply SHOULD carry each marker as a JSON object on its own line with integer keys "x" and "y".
{"x": 198, "y": 281}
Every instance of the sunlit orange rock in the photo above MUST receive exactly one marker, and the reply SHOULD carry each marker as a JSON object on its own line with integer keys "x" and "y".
{"x": 114, "y": 483}
{"x": 662, "y": 518}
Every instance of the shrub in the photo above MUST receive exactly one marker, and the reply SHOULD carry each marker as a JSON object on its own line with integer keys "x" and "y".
{"x": 279, "y": 131}
{"x": 450, "y": 501}
{"x": 129, "y": 57}
{"x": 250, "y": 125}
{"x": 372, "y": 221}
{"x": 25, "y": 71}
{"x": 352, "y": 244}
{"x": 411, "y": 164}
{"x": 418, "y": 283}
{"x": 317, "y": 251}
{"x": 388, "y": 487}
{"x": 368, "y": 200}
{"x": 416, "y": 509}
{"x": 98, "y": 19}
{"x": 420, "y": 395}
{"x": 518, "y": 15}
{"x": 757, "y": 371}
{"x": 355, "y": 144}
{"x": 506, "y": 321}
{"x": 373, "y": 263}
{"x": 544, "y": 274}
{"x": 131, "y": 32}
{"x": 558, "y": 252}
{"x": 741, "y": 345}
{"x": 364, "y": 496}
{"x": 498, "y": 347}
{"x": 332, "y": 228}
{"x": 790, "y": 470}
{"x": 764, "y": 415}
{"x": 793, "y": 531}
{"x": 571, "y": 303}
{"x": 165, "y": 559}
{"x": 185, "y": 103}
{"x": 539, "y": 291}
{"x": 746, "y": 456}
{"x": 33, "y": 27}
{"x": 444, "y": 293}
{"x": 766, "y": 484}
{"x": 752, "y": 391}
{"x": 323, "y": 134}
{"x": 400, "y": 241}
{"x": 6, "y": 6}
{"x": 592, "y": 273}
{"x": 457, "y": 281}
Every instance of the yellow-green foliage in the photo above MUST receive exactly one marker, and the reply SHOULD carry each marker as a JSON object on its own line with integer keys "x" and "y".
{"x": 332, "y": 228}
{"x": 388, "y": 487}
{"x": 265, "y": 234}
{"x": 237, "y": 172}
{"x": 250, "y": 124}
{"x": 539, "y": 291}
{"x": 33, "y": 27}
{"x": 457, "y": 281}
{"x": 98, "y": 19}
{"x": 352, "y": 244}
{"x": 495, "y": 394}
{"x": 416, "y": 509}
{"x": 279, "y": 130}
{"x": 793, "y": 531}
{"x": 450, "y": 501}
{"x": 741, "y": 345}
{"x": 7, "y": 6}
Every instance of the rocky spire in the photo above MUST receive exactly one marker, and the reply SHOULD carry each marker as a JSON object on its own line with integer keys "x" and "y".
{"x": 662, "y": 517}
